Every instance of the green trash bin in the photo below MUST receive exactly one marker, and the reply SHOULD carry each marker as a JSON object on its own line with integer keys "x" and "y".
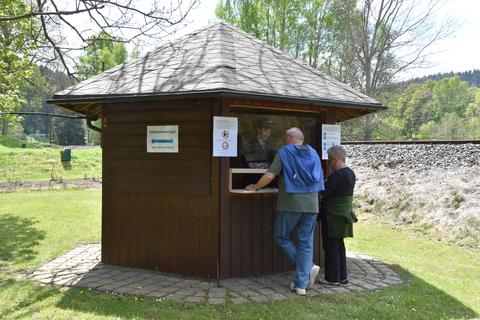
{"x": 66, "y": 154}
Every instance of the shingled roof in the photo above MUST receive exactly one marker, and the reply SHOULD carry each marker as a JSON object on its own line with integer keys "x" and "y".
{"x": 217, "y": 59}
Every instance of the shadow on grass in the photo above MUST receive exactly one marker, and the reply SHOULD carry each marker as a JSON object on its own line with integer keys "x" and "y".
{"x": 21, "y": 299}
{"x": 18, "y": 239}
{"x": 413, "y": 299}
{"x": 67, "y": 165}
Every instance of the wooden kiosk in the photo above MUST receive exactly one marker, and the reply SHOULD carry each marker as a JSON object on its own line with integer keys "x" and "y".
{"x": 184, "y": 212}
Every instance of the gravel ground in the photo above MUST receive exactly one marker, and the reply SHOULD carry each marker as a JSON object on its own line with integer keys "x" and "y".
{"x": 434, "y": 188}
{"x": 414, "y": 155}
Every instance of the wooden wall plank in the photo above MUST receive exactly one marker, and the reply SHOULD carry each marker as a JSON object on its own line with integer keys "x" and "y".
{"x": 246, "y": 209}
{"x": 140, "y": 129}
{"x": 153, "y": 175}
{"x": 122, "y": 237}
{"x": 131, "y": 224}
{"x": 204, "y": 237}
{"x": 268, "y": 207}
{"x": 183, "y": 235}
{"x": 159, "y": 187}
{"x": 193, "y": 243}
{"x": 190, "y": 165}
{"x": 138, "y": 154}
{"x": 144, "y": 220}
{"x": 151, "y": 117}
{"x": 162, "y": 233}
{"x": 172, "y": 235}
{"x": 152, "y": 231}
{"x": 235, "y": 252}
{"x": 214, "y": 204}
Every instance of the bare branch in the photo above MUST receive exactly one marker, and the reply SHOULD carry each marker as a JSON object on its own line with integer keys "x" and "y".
{"x": 63, "y": 27}
{"x": 43, "y": 14}
{"x": 55, "y": 48}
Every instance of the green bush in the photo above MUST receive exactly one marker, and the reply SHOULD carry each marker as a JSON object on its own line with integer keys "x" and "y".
{"x": 10, "y": 142}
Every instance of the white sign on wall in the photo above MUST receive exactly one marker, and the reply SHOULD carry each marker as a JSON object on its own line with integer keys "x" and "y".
{"x": 330, "y": 137}
{"x": 225, "y": 131}
{"x": 162, "y": 139}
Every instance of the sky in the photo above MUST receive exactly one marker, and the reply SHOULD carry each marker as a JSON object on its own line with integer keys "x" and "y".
{"x": 459, "y": 52}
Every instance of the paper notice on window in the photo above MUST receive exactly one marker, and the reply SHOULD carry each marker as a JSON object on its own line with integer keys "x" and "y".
{"x": 225, "y": 130}
{"x": 331, "y": 136}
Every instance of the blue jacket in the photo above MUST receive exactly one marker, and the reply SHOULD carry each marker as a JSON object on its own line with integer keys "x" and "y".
{"x": 302, "y": 169}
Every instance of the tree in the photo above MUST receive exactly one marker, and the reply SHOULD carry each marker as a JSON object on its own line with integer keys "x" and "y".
{"x": 385, "y": 38}
{"x": 65, "y": 27}
{"x": 293, "y": 26}
{"x": 450, "y": 126}
{"x": 472, "y": 115}
{"x": 443, "y": 109}
{"x": 69, "y": 131}
{"x": 364, "y": 43}
{"x": 451, "y": 95}
{"x": 105, "y": 52}
{"x": 473, "y": 109}
{"x": 16, "y": 46}
{"x": 35, "y": 90}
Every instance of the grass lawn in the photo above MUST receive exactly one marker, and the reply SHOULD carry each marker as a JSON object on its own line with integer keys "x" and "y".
{"x": 39, "y": 226}
{"x": 440, "y": 281}
{"x": 10, "y": 142}
{"x": 29, "y": 141}
{"x": 21, "y": 165}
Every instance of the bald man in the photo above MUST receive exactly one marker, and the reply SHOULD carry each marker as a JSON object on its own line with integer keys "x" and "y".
{"x": 300, "y": 179}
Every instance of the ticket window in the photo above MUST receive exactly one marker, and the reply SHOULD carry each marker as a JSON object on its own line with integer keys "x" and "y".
{"x": 260, "y": 136}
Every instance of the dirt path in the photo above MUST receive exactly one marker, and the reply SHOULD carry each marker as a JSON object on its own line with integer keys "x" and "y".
{"x": 41, "y": 185}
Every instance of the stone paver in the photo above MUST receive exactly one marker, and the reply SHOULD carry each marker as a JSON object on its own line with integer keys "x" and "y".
{"x": 81, "y": 267}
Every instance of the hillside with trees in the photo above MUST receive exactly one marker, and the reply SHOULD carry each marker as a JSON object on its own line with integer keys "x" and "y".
{"x": 443, "y": 109}
{"x": 470, "y": 76}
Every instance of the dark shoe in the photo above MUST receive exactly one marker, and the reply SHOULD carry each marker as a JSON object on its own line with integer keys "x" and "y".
{"x": 344, "y": 281}
{"x": 329, "y": 283}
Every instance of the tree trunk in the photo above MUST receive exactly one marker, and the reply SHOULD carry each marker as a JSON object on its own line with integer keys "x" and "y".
{"x": 368, "y": 127}
{"x": 4, "y": 128}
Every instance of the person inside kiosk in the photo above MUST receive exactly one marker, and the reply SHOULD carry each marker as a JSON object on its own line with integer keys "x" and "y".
{"x": 258, "y": 150}
{"x": 259, "y": 138}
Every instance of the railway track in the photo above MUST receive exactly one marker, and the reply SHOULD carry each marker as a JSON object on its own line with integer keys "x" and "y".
{"x": 414, "y": 142}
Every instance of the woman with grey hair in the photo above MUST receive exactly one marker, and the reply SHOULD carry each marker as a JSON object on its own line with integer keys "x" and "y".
{"x": 337, "y": 216}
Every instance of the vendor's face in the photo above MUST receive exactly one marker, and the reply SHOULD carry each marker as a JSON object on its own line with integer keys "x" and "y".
{"x": 264, "y": 133}
{"x": 287, "y": 139}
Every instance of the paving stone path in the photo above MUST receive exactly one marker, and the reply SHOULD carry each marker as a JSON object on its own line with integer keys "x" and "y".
{"x": 81, "y": 267}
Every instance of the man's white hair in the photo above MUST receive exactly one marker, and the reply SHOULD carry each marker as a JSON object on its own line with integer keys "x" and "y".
{"x": 295, "y": 133}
